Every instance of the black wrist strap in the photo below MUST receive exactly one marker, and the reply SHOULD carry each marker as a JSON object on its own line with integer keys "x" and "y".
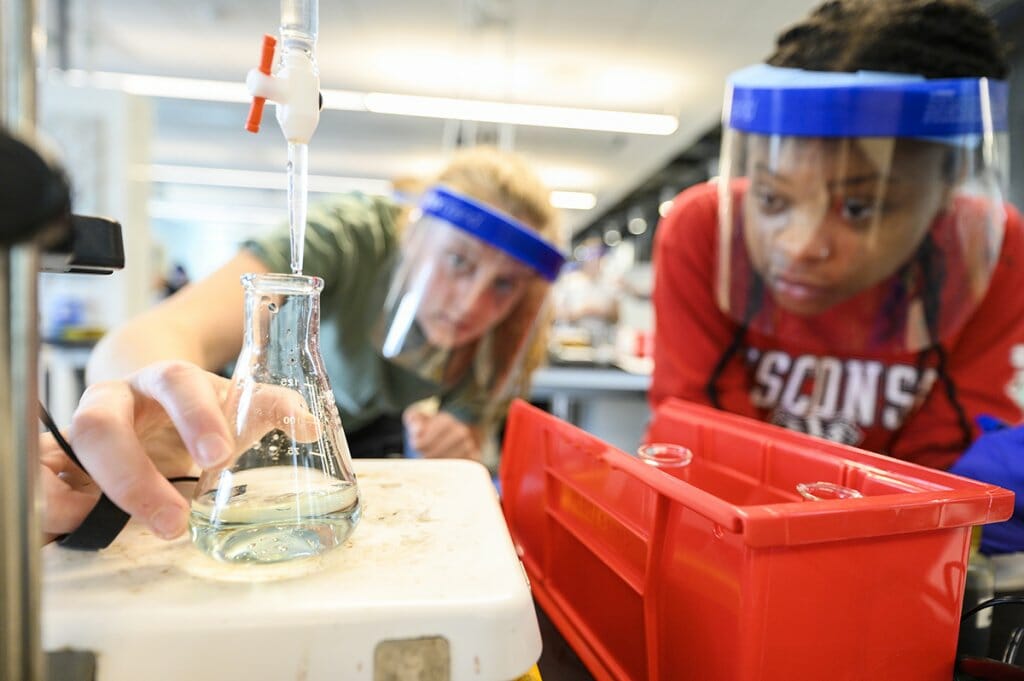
{"x": 106, "y": 519}
{"x": 104, "y": 522}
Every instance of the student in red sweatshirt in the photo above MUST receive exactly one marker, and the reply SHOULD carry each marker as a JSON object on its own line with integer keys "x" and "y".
{"x": 854, "y": 272}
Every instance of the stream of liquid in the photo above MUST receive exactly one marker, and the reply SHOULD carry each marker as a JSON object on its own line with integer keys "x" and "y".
{"x": 298, "y": 200}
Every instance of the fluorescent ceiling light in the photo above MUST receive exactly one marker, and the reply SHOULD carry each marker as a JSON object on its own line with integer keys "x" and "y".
{"x": 159, "y": 86}
{"x": 521, "y": 114}
{"x": 325, "y": 184}
{"x": 192, "y": 88}
{"x": 573, "y": 200}
{"x": 637, "y": 226}
{"x": 386, "y": 103}
{"x": 613, "y": 237}
{"x": 205, "y": 212}
{"x": 257, "y": 179}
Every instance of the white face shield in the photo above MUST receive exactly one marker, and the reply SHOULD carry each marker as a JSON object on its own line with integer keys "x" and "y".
{"x": 465, "y": 296}
{"x": 868, "y": 201}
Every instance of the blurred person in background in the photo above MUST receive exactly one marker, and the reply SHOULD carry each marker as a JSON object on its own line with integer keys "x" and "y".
{"x": 586, "y": 298}
{"x": 176, "y": 280}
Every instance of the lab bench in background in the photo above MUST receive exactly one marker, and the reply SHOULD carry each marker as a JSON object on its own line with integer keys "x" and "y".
{"x": 62, "y": 376}
{"x": 603, "y": 400}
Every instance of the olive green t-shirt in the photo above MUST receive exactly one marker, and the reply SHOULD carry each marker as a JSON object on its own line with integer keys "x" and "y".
{"x": 352, "y": 244}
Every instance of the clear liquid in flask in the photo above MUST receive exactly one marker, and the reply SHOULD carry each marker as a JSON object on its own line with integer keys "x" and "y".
{"x": 279, "y": 520}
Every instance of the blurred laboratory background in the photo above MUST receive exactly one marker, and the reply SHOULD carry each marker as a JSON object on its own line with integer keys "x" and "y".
{"x": 615, "y": 102}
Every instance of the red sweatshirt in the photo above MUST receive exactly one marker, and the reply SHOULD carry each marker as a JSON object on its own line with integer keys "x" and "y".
{"x": 866, "y": 399}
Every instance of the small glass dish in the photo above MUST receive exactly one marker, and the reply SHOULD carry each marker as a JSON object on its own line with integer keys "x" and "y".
{"x": 825, "y": 491}
{"x": 665, "y": 455}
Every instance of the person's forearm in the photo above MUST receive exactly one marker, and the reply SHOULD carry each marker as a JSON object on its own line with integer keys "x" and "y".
{"x": 138, "y": 343}
{"x": 201, "y": 324}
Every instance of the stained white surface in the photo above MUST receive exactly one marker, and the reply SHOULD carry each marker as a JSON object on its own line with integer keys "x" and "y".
{"x": 431, "y": 557}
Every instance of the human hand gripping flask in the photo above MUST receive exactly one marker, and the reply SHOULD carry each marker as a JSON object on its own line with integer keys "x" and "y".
{"x": 288, "y": 491}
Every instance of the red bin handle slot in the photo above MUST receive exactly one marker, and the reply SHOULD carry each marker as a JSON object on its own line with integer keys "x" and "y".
{"x": 696, "y": 499}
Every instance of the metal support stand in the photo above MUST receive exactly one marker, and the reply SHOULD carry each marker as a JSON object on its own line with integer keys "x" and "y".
{"x": 20, "y": 650}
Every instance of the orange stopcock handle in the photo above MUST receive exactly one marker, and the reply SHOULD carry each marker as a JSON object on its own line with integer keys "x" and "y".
{"x": 252, "y": 124}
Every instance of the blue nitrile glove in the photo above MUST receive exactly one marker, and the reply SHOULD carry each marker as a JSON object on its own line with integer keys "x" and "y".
{"x": 997, "y": 457}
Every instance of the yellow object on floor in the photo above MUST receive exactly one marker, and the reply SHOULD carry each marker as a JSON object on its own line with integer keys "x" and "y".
{"x": 533, "y": 675}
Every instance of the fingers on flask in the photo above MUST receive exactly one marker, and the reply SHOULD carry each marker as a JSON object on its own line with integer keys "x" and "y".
{"x": 289, "y": 490}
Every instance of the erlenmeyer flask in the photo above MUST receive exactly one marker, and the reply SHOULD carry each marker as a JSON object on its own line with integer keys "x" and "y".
{"x": 289, "y": 490}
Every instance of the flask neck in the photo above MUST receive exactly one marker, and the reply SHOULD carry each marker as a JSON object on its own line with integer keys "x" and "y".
{"x": 282, "y": 314}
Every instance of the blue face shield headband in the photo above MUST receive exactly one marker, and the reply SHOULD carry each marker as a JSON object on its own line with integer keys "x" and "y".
{"x": 770, "y": 100}
{"x": 493, "y": 228}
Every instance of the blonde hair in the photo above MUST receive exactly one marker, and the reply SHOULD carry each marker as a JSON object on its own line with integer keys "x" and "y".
{"x": 504, "y": 180}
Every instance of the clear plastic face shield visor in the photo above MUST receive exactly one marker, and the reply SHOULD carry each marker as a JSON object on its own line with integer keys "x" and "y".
{"x": 466, "y": 293}
{"x": 864, "y": 206}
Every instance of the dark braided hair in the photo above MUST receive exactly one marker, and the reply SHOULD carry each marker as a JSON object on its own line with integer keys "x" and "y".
{"x": 932, "y": 38}
{"x": 929, "y": 261}
{"x": 754, "y": 297}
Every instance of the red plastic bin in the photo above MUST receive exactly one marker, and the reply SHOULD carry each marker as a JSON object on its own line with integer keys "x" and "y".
{"x": 720, "y": 570}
